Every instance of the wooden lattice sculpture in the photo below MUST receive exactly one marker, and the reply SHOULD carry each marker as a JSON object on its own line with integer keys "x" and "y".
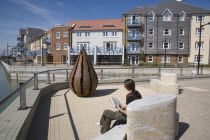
{"x": 83, "y": 79}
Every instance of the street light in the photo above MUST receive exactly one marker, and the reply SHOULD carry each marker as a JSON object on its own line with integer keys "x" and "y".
{"x": 199, "y": 51}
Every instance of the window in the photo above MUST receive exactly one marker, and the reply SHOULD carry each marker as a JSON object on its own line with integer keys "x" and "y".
{"x": 134, "y": 20}
{"x": 200, "y": 18}
{"x": 133, "y": 46}
{"x": 65, "y": 34}
{"x": 182, "y": 18}
{"x": 65, "y": 46}
{"x": 150, "y": 45}
{"x": 196, "y": 59}
{"x": 166, "y": 45}
{"x": 167, "y": 18}
{"x": 134, "y": 34}
{"x": 198, "y": 31}
{"x": 197, "y": 45}
{"x": 79, "y": 34}
{"x": 87, "y": 34}
{"x": 181, "y": 32}
{"x": 180, "y": 59}
{"x": 166, "y": 32}
{"x": 151, "y": 16}
{"x": 150, "y": 58}
{"x": 114, "y": 33}
{"x": 165, "y": 58}
{"x": 151, "y": 31}
{"x": 57, "y": 34}
{"x": 105, "y": 33}
{"x": 181, "y": 45}
{"x": 58, "y": 46}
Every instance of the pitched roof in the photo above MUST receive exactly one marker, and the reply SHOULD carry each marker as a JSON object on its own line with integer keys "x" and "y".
{"x": 34, "y": 31}
{"x": 97, "y": 24}
{"x": 175, "y": 7}
{"x": 22, "y": 32}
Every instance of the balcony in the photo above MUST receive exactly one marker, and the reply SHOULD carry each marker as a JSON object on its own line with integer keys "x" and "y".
{"x": 42, "y": 52}
{"x": 109, "y": 50}
{"x": 133, "y": 50}
{"x": 46, "y": 40}
{"x": 76, "y": 50}
{"x": 134, "y": 37}
{"x": 133, "y": 23}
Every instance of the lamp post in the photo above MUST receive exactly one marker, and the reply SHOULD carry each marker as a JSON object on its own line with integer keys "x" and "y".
{"x": 199, "y": 50}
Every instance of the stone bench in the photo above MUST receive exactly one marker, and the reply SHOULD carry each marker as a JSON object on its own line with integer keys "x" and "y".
{"x": 151, "y": 118}
{"x": 166, "y": 84}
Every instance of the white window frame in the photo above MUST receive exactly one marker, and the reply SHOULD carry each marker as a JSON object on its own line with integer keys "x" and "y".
{"x": 182, "y": 16}
{"x": 197, "y": 45}
{"x": 197, "y": 32}
{"x": 65, "y": 44}
{"x": 181, "y": 32}
{"x": 151, "y": 16}
{"x": 79, "y": 34}
{"x": 181, "y": 59}
{"x": 105, "y": 34}
{"x": 196, "y": 59}
{"x": 58, "y": 48}
{"x": 168, "y": 45}
{"x": 150, "y": 58}
{"x": 87, "y": 34}
{"x": 65, "y": 34}
{"x": 133, "y": 46}
{"x": 151, "y": 30}
{"x": 163, "y": 59}
{"x": 169, "y": 32}
{"x": 198, "y": 18}
{"x": 58, "y": 35}
{"x": 181, "y": 45}
{"x": 167, "y": 17}
{"x": 114, "y": 33}
{"x": 151, "y": 44}
{"x": 49, "y": 37}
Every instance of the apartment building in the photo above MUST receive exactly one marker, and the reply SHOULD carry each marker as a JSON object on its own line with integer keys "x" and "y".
{"x": 25, "y": 35}
{"x": 102, "y": 40}
{"x": 57, "y": 41}
{"x": 165, "y": 31}
{"x": 205, "y": 38}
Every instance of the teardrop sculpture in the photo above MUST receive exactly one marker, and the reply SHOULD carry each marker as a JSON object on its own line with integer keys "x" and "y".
{"x": 83, "y": 79}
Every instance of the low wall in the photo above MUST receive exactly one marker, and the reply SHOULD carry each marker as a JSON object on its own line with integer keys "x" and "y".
{"x": 15, "y": 123}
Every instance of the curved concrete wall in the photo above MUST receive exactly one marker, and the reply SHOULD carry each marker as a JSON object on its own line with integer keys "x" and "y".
{"x": 152, "y": 118}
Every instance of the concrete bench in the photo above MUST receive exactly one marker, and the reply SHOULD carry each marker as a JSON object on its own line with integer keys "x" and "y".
{"x": 151, "y": 118}
{"x": 166, "y": 84}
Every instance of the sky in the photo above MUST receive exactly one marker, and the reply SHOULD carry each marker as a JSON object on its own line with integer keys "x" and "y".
{"x": 16, "y": 14}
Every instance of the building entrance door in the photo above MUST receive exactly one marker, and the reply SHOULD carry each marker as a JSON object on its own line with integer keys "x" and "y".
{"x": 134, "y": 60}
{"x": 64, "y": 59}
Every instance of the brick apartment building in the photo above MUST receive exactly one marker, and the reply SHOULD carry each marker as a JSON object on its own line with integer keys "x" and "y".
{"x": 58, "y": 40}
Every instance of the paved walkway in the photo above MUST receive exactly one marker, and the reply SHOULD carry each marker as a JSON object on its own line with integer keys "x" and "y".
{"x": 62, "y": 115}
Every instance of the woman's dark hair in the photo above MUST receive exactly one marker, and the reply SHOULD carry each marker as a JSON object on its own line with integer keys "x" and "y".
{"x": 130, "y": 85}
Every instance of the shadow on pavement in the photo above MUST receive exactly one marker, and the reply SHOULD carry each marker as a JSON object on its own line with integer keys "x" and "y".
{"x": 181, "y": 91}
{"x": 182, "y": 129}
{"x": 102, "y": 92}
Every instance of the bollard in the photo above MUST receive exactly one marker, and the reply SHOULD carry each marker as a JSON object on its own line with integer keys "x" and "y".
{"x": 36, "y": 82}
{"x": 53, "y": 76}
{"x": 159, "y": 71}
{"x": 48, "y": 77}
{"x": 67, "y": 75}
{"x": 23, "y": 99}
{"x": 133, "y": 73}
{"x": 101, "y": 74}
{"x": 201, "y": 70}
{"x": 181, "y": 71}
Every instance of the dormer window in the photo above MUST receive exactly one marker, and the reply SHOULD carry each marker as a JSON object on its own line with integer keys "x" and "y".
{"x": 151, "y": 16}
{"x": 167, "y": 15}
{"x": 182, "y": 16}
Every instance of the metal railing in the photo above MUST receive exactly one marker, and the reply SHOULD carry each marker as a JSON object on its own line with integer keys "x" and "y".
{"x": 103, "y": 73}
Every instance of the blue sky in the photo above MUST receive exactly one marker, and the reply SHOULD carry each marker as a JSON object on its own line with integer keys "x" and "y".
{"x": 16, "y": 14}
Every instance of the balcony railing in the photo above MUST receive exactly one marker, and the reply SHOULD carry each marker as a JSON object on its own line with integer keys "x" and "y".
{"x": 46, "y": 40}
{"x": 109, "y": 50}
{"x": 131, "y": 50}
{"x": 136, "y": 22}
{"x": 32, "y": 53}
{"x": 133, "y": 37}
{"x": 76, "y": 50}
{"x": 42, "y": 52}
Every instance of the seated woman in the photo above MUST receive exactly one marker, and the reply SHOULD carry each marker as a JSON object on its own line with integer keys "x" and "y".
{"x": 121, "y": 114}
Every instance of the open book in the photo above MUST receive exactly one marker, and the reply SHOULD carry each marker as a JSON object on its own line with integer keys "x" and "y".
{"x": 115, "y": 102}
